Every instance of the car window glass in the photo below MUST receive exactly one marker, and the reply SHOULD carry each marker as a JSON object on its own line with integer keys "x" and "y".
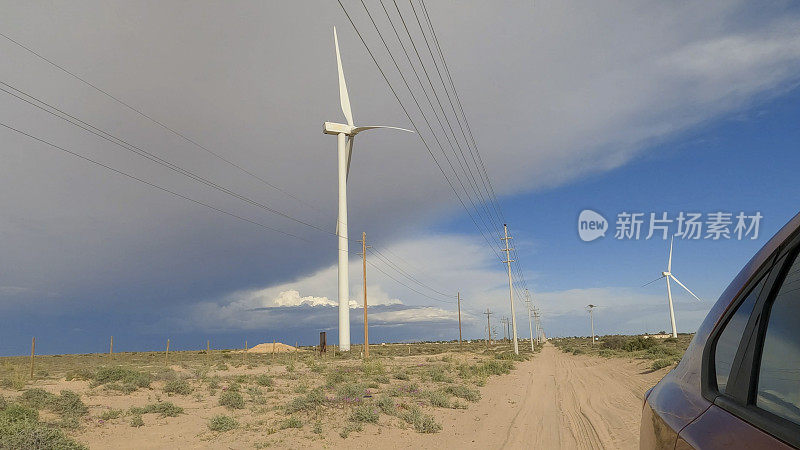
{"x": 779, "y": 372}
{"x": 728, "y": 341}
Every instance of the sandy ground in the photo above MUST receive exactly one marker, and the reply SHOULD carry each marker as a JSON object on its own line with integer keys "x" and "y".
{"x": 554, "y": 401}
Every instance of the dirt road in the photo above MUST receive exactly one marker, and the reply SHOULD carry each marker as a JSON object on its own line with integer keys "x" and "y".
{"x": 554, "y": 401}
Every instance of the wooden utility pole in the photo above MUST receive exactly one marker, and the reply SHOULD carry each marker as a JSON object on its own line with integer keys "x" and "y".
{"x": 364, "y": 248}
{"x": 33, "y": 351}
{"x": 529, "y": 305}
{"x": 458, "y": 295}
{"x": 508, "y": 262}
{"x": 488, "y": 328}
{"x": 111, "y": 348}
{"x": 166, "y": 355}
{"x": 208, "y": 350}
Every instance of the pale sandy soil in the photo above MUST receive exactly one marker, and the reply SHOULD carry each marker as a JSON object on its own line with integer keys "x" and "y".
{"x": 554, "y": 401}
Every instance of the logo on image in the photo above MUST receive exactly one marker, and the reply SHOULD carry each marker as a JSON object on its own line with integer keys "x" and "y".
{"x": 591, "y": 225}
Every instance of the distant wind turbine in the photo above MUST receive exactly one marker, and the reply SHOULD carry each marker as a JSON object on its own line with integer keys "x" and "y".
{"x": 668, "y": 274}
{"x": 345, "y": 135}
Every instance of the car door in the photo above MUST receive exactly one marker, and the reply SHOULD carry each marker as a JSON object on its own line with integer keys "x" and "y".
{"x": 752, "y": 367}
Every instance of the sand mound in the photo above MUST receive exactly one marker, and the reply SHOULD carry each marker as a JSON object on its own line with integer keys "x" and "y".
{"x": 268, "y": 348}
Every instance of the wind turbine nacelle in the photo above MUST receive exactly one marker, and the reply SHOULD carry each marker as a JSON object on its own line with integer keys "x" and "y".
{"x": 337, "y": 128}
{"x": 665, "y": 274}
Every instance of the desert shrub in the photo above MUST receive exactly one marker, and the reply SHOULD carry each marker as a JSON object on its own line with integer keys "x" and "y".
{"x": 606, "y": 353}
{"x": 231, "y": 400}
{"x": 372, "y": 367}
{"x": 180, "y": 386}
{"x": 438, "y": 399}
{"x": 423, "y": 423}
{"x": 492, "y": 367}
{"x": 335, "y": 377}
{"x": 164, "y": 409}
{"x": 509, "y": 356}
{"x": 111, "y": 414}
{"x": 405, "y": 390}
{"x": 661, "y": 363}
{"x": 292, "y": 422}
{"x": 18, "y": 413}
{"x": 69, "y": 422}
{"x": 365, "y": 413}
{"x": 31, "y": 434}
{"x": 382, "y": 379}
{"x": 222, "y": 366}
{"x": 401, "y": 375}
{"x": 69, "y": 404}
{"x": 349, "y": 428}
{"x": 264, "y": 380}
{"x": 131, "y": 379}
{"x": 350, "y": 391}
{"x": 307, "y": 402}
{"x": 222, "y": 423}
{"x": 578, "y": 351}
{"x": 79, "y": 374}
{"x": 439, "y": 375}
{"x": 385, "y": 404}
{"x": 36, "y": 398}
{"x": 460, "y": 391}
{"x": 136, "y": 421}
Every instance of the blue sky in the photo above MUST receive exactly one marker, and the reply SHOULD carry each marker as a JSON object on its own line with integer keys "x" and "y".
{"x": 572, "y": 108}
{"x": 744, "y": 162}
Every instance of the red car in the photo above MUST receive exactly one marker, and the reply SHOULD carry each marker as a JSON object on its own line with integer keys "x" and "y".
{"x": 738, "y": 385}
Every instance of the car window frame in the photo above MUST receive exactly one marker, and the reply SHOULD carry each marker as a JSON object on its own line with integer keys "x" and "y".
{"x": 739, "y": 398}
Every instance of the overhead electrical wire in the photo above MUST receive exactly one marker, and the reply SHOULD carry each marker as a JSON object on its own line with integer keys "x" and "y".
{"x": 157, "y": 122}
{"x": 408, "y": 115}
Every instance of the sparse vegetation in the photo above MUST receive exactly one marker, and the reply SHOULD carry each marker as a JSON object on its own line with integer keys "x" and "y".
{"x": 269, "y": 393}
{"x": 231, "y": 400}
{"x": 662, "y": 351}
{"x": 163, "y": 409}
{"x": 181, "y": 387}
{"x": 222, "y": 423}
{"x": 365, "y": 413}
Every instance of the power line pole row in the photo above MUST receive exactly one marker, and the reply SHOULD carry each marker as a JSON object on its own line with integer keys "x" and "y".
{"x": 508, "y": 262}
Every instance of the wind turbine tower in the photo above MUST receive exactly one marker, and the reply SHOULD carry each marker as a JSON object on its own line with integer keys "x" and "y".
{"x": 345, "y": 134}
{"x": 667, "y": 275}
{"x": 591, "y": 318}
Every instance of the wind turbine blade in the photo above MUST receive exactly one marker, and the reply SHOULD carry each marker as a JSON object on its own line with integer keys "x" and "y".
{"x": 357, "y": 130}
{"x": 343, "y": 97}
{"x": 687, "y": 289}
{"x": 349, "y": 148}
{"x": 669, "y": 263}
{"x": 651, "y": 282}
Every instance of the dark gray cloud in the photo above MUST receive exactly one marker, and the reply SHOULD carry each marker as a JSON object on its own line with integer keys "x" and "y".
{"x": 560, "y": 89}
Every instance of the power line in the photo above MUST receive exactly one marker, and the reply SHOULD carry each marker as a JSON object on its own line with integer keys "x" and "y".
{"x": 441, "y": 78}
{"x": 461, "y": 108}
{"x": 157, "y": 122}
{"x": 441, "y": 147}
{"x": 399, "y": 270}
{"x": 425, "y": 143}
{"x": 153, "y": 185}
{"x": 407, "y": 286}
{"x": 469, "y": 176}
{"x": 50, "y": 109}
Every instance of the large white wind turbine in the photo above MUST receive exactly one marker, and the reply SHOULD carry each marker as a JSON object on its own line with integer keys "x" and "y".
{"x": 668, "y": 274}
{"x": 345, "y": 135}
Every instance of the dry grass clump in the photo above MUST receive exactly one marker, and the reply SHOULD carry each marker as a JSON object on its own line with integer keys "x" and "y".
{"x": 222, "y": 423}
{"x": 163, "y": 409}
